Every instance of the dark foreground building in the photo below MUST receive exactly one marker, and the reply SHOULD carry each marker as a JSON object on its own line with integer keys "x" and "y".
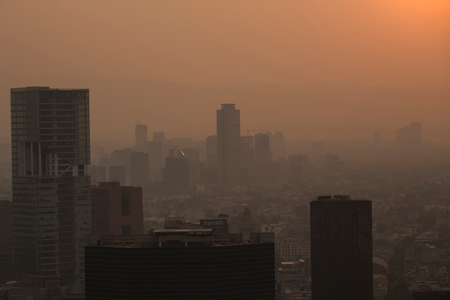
{"x": 50, "y": 187}
{"x": 341, "y": 249}
{"x": 180, "y": 264}
{"x": 430, "y": 295}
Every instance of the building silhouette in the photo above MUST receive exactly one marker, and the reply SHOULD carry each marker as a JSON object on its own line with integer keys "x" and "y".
{"x": 211, "y": 151}
{"x": 51, "y": 188}
{"x": 262, "y": 148}
{"x": 139, "y": 175}
{"x": 6, "y": 238}
{"x": 410, "y": 135}
{"x": 159, "y": 136}
{"x": 155, "y": 154}
{"x": 97, "y": 173}
{"x": 247, "y": 151}
{"x": 181, "y": 264}
{"x": 141, "y": 137}
{"x": 228, "y": 145}
{"x": 176, "y": 171}
{"x": 118, "y": 174}
{"x": 116, "y": 209}
{"x": 277, "y": 145}
{"x": 341, "y": 248}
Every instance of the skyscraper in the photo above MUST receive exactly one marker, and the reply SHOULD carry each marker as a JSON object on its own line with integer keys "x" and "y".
{"x": 51, "y": 188}
{"x": 228, "y": 145}
{"x": 159, "y": 136}
{"x": 341, "y": 248}
{"x": 141, "y": 137}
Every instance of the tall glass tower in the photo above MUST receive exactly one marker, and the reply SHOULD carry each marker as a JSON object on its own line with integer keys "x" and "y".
{"x": 228, "y": 145}
{"x": 51, "y": 188}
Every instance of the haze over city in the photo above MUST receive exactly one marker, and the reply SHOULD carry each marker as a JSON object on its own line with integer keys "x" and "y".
{"x": 312, "y": 69}
{"x": 251, "y": 149}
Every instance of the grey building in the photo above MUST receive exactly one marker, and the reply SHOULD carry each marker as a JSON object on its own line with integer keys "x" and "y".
{"x": 139, "y": 169}
{"x": 51, "y": 188}
{"x": 141, "y": 137}
{"x": 228, "y": 145}
{"x": 262, "y": 148}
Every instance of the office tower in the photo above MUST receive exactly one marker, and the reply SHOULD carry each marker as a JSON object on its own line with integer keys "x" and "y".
{"x": 341, "y": 248}
{"x": 117, "y": 174}
{"x": 6, "y": 241}
{"x": 410, "y": 135}
{"x": 377, "y": 137}
{"x": 51, "y": 188}
{"x": 180, "y": 264}
{"x": 228, "y": 145}
{"x": 159, "y": 136}
{"x": 97, "y": 173}
{"x": 262, "y": 148}
{"x": 116, "y": 209}
{"x": 155, "y": 155}
{"x": 277, "y": 144}
{"x": 176, "y": 171}
{"x": 141, "y": 137}
{"x": 139, "y": 169}
{"x": 211, "y": 151}
{"x": 247, "y": 151}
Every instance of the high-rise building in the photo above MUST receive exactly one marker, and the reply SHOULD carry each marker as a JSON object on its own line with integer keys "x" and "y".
{"x": 410, "y": 135}
{"x": 139, "y": 169}
{"x": 176, "y": 171}
{"x": 159, "y": 136}
{"x": 141, "y": 137}
{"x": 6, "y": 241}
{"x": 155, "y": 155}
{"x": 211, "y": 151}
{"x": 116, "y": 209}
{"x": 51, "y": 188}
{"x": 341, "y": 248}
{"x": 228, "y": 145}
{"x": 247, "y": 151}
{"x": 277, "y": 145}
{"x": 118, "y": 174}
{"x": 181, "y": 264}
{"x": 262, "y": 148}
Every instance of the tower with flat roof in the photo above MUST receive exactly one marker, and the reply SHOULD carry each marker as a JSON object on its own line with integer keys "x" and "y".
{"x": 228, "y": 145}
{"x": 141, "y": 137}
{"x": 51, "y": 189}
{"x": 341, "y": 248}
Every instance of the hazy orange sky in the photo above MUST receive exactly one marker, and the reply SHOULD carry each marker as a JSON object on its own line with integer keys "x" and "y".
{"x": 388, "y": 42}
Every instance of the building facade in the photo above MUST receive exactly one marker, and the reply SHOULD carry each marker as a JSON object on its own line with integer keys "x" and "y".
{"x": 6, "y": 244}
{"x": 341, "y": 248}
{"x": 116, "y": 209}
{"x": 228, "y": 145}
{"x": 139, "y": 174}
{"x": 51, "y": 188}
{"x": 141, "y": 137}
{"x": 181, "y": 264}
